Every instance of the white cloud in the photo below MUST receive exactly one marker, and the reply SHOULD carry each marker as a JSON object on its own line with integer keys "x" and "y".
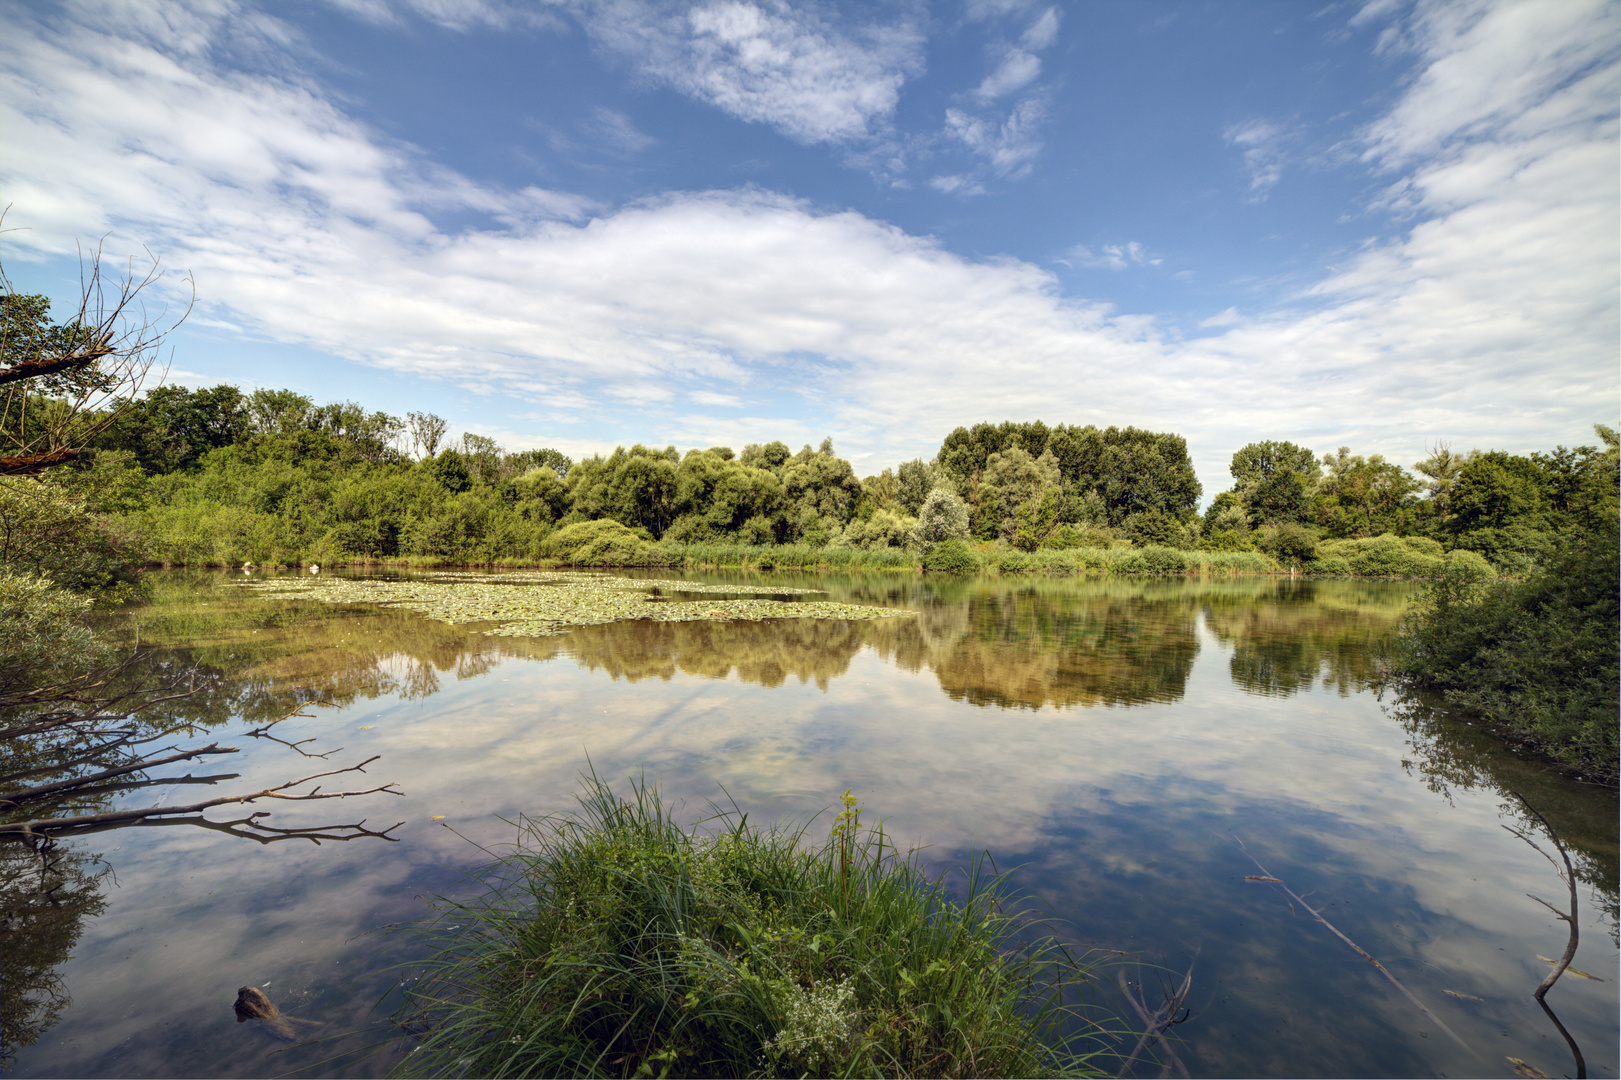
{"x": 1492, "y": 321}
{"x": 1111, "y": 256}
{"x": 768, "y": 62}
{"x": 618, "y": 131}
{"x": 1264, "y": 156}
{"x": 1010, "y": 146}
{"x": 1017, "y": 70}
{"x": 957, "y": 184}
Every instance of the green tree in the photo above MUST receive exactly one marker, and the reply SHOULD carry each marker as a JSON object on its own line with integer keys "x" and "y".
{"x": 1365, "y": 496}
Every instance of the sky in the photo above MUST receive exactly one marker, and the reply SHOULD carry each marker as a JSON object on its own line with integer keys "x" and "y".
{"x": 1381, "y": 225}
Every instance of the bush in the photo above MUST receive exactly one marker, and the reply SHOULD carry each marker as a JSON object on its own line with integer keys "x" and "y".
{"x": 953, "y": 557}
{"x": 1161, "y": 560}
{"x": 1536, "y": 661}
{"x": 1011, "y": 560}
{"x": 614, "y": 941}
{"x": 1289, "y": 543}
{"x": 1468, "y": 565}
{"x": 1329, "y": 566}
{"x": 1387, "y": 556}
{"x": 942, "y": 517}
{"x": 1155, "y": 528}
{"x": 1226, "y": 540}
{"x": 604, "y": 542}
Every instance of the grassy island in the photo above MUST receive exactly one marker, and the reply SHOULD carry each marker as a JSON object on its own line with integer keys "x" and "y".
{"x": 614, "y": 942}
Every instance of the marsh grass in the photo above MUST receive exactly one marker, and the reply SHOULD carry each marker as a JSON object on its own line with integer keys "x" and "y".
{"x": 614, "y": 942}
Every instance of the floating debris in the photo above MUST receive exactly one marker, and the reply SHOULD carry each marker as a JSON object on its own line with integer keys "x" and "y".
{"x": 1466, "y": 997}
{"x": 548, "y": 604}
{"x": 1263, "y": 877}
{"x": 1569, "y": 970}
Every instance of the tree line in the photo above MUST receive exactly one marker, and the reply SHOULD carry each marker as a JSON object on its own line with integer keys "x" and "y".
{"x": 219, "y": 475}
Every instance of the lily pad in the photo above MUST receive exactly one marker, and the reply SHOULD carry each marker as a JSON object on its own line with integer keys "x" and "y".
{"x": 547, "y": 604}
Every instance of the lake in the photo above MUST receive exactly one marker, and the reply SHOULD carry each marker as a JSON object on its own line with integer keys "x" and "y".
{"x": 1136, "y": 752}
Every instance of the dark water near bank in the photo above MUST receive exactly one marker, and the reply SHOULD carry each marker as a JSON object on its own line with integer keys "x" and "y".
{"x": 1113, "y": 740}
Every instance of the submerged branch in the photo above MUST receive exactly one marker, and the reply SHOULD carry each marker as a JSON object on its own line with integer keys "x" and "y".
{"x": 1568, "y": 876}
{"x": 1273, "y": 880}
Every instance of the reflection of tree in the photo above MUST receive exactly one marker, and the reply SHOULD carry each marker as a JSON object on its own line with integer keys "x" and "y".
{"x": 1029, "y": 646}
{"x": 765, "y": 653}
{"x": 1453, "y": 756}
{"x": 1292, "y": 632}
{"x": 45, "y": 896}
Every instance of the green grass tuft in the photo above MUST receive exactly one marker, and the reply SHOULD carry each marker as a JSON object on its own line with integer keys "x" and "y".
{"x": 614, "y": 942}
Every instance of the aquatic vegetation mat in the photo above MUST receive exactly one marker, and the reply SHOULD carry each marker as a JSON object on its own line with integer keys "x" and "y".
{"x": 546, "y": 604}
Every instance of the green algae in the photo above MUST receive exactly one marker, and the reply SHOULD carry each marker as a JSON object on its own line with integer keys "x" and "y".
{"x": 547, "y": 604}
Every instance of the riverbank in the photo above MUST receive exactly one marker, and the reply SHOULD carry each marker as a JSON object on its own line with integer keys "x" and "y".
{"x": 1381, "y": 557}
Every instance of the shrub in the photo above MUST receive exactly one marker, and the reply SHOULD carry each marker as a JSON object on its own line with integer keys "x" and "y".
{"x": 1468, "y": 565}
{"x": 1388, "y": 556}
{"x": 942, "y": 517}
{"x": 1424, "y": 545}
{"x": 1011, "y": 560}
{"x": 1329, "y": 565}
{"x": 1155, "y": 528}
{"x": 1536, "y": 661}
{"x": 1162, "y": 560}
{"x": 1289, "y": 543}
{"x": 604, "y": 542}
{"x": 953, "y": 557}
{"x": 614, "y": 941}
{"x": 1226, "y": 540}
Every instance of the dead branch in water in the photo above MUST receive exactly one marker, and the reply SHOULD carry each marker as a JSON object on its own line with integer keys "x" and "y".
{"x": 1157, "y": 1022}
{"x": 1568, "y": 876}
{"x": 67, "y": 826}
{"x": 1272, "y": 879}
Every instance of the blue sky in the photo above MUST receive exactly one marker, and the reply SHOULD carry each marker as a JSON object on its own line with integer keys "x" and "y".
{"x": 1380, "y": 225}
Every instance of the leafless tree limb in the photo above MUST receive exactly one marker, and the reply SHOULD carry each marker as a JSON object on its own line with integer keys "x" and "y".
{"x": 1567, "y": 874}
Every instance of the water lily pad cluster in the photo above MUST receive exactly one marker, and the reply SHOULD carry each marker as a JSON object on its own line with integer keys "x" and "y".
{"x": 545, "y": 604}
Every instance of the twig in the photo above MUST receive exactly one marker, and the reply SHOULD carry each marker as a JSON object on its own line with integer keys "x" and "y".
{"x": 1359, "y": 949}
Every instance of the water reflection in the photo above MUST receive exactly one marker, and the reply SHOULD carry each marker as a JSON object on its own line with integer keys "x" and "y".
{"x": 1287, "y": 637}
{"x": 45, "y": 897}
{"x": 1248, "y": 714}
{"x": 1453, "y": 757}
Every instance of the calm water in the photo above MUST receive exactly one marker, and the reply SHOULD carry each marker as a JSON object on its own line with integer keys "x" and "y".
{"x": 1113, "y": 740}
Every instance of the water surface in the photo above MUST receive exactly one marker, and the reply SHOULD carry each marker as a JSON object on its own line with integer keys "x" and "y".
{"x": 1116, "y": 741}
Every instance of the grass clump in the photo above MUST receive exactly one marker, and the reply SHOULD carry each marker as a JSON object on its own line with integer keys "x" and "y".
{"x": 614, "y": 942}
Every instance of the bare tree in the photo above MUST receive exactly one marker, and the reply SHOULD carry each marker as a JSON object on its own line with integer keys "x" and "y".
{"x": 62, "y": 384}
{"x": 426, "y": 431}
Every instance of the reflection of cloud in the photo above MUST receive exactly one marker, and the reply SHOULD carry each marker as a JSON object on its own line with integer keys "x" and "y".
{"x": 1121, "y": 819}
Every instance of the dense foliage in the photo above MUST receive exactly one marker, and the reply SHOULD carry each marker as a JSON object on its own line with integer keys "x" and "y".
{"x": 1536, "y": 660}
{"x": 616, "y": 943}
